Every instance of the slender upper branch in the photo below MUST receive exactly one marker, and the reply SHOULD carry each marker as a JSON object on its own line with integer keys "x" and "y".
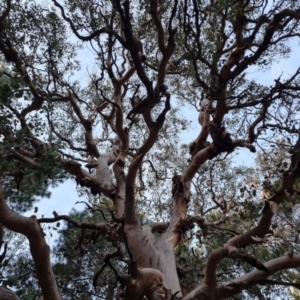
{"x": 111, "y": 231}
{"x": 168, "y": 50}
{"x": 92, "y": 35}
{"x": 87, "y": 124}
{"x": 270, "y": 30}
{"x": 6, "y": 12}
{"x": 137, "y": 160}
{"x": 133, "y": 46}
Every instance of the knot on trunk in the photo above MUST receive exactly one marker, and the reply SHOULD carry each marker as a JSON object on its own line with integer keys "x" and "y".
{"x": 144, "y": 282}
{"x": 88, "y": 182}
{"x": 221, "y": 139}
{"x": 197, "y": 146}
{"x": 183, "y": 226}
{"x": 177, "y": 186}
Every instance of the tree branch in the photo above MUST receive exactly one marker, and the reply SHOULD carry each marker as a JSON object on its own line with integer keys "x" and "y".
{"x": 92, "y": 35}
{"x": 111, "y": 231}
{"x": 137, "y": 160}
{"x": 38, "y": 247}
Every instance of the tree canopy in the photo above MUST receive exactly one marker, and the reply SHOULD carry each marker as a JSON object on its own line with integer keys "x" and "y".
{"x": 145, "y": 105}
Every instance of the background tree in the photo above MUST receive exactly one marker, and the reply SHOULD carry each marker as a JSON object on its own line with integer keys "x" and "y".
{"x": 118, "y": 133}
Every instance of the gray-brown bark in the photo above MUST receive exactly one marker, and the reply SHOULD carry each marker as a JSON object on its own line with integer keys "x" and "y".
{"x": 7, "y": 294}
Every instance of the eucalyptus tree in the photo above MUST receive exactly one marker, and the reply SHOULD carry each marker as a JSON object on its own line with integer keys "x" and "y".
{"x": 148, "y": 65}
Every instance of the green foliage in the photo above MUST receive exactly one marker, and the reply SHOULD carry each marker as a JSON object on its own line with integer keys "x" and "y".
{"x": 9, "y": 87}
{"x": 24, "y": 185}
{"x": 229, "y": 197}
{"x": 75, "y": 272}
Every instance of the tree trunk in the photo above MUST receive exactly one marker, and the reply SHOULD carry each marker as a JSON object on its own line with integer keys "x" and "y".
{"x": 7, "y": 294}
{"x": 152, "y": 252}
